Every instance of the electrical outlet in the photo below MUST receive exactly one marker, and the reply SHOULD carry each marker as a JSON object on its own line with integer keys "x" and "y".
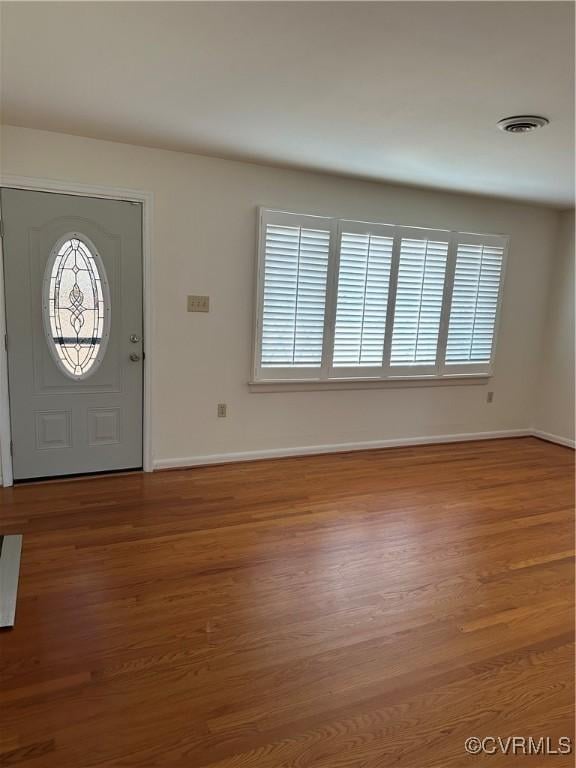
{"x": 222, "y": 410}
{"x": 489, "y": 397}
{"x": 198, "y": 303}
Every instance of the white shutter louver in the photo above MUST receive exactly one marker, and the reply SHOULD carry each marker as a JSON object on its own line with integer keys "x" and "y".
{"x": 418, "y": 307}
{"x": 474, "y": 303}
{"x": 362, "y": 299}
{"x": 294, "y": 295}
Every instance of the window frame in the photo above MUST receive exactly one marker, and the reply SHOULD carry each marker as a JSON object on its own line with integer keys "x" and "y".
{"x": 326, "y": 373}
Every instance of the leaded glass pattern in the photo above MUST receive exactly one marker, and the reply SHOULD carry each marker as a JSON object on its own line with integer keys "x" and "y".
{"x": 77, "y": 304}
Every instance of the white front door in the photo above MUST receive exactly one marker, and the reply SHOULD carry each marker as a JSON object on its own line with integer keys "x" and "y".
{"x": 73, "y": 283}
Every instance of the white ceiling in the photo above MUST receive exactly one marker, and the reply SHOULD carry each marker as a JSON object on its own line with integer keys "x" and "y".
{"x": 399, "y": 91}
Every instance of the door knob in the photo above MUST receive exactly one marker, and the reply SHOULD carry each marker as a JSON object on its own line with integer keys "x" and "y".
{"x": 134, "y": 357}
{"x": 134, "y": 338}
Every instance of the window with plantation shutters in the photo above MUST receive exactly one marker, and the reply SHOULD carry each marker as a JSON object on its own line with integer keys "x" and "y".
{"x": 346, "y": 300}
{"x": 474, "y": 305}
{"x": 418, "y": 306}
{"x": 295, "y": 268}
{"x": 362, "y": 298}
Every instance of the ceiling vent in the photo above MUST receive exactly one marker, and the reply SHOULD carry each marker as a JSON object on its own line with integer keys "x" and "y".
{"x": 522, "y": 123}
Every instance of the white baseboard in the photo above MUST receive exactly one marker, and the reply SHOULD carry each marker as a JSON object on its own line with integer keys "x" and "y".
{"x": 276, "y": 453}
{"x": 554, "y": 438}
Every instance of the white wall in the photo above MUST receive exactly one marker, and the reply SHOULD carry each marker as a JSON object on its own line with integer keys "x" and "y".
{"x": 205, "y": 242}
{"x": 555, "y": 397}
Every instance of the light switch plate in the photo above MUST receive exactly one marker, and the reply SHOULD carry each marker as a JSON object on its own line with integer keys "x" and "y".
{"x": 198, "y": 304}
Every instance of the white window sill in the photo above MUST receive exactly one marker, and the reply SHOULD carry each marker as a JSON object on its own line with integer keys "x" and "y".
{"x": 399, "y": 382}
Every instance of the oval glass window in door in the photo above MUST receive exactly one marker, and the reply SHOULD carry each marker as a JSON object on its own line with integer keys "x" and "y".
{"x": 76, "y": 306}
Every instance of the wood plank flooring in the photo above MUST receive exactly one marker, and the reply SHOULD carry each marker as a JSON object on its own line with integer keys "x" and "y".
{"x": 359, "y": 610}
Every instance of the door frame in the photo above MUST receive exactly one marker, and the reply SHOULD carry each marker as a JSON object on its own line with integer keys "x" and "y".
{"x": 146, "y": 199}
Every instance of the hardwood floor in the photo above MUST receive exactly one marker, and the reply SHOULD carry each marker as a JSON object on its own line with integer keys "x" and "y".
{"x": 347, "y": 611}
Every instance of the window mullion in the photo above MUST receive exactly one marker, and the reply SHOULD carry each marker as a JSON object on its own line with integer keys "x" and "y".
{"x": 331, "y": 294}
{"x": 446, "y": 304}
{"x": 392, "y": 288}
